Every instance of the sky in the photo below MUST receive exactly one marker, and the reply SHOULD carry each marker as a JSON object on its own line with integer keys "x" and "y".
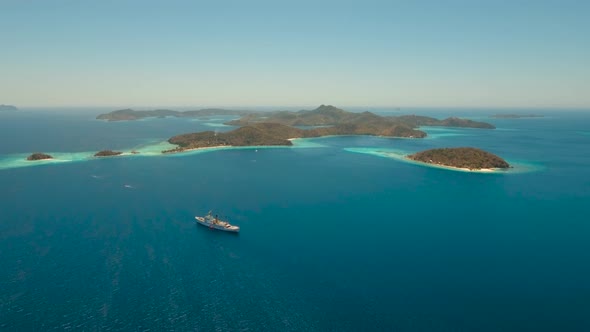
{"x": 295, "y": 53}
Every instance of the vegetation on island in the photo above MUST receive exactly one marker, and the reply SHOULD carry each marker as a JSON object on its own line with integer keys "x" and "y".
{"x": 107, "y": 153}
{"x": 257, "y": 134}
{"x": 39, "y": 156}
{"x": 8, "y": 108}
{"x": 464, "y": 157}
{"x": 275, "y": 128}
{"x": 515, "y": 116}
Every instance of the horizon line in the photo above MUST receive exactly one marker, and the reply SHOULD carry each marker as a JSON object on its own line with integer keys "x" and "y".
{"x": 173, "y": 107}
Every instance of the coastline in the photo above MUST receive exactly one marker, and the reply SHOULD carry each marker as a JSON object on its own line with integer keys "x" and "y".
{"x": 216, "y": 147}
{"x": 461, "y": 169}
{"x": 153, "y": 149}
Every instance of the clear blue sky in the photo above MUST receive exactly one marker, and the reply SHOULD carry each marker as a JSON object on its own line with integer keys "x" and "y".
{"x": 295, "y": 53}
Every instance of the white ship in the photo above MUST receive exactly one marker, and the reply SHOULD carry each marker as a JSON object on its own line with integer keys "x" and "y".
{"x": 214, "y": 222}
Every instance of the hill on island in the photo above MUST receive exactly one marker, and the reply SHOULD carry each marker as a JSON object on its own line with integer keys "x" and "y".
{"x": 464, "y": 157}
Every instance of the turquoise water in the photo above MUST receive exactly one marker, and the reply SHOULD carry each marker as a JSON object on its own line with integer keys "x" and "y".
{"x": 334, "y": 237}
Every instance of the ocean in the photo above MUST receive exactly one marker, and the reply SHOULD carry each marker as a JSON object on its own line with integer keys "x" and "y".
{"x": 336, "y": 233}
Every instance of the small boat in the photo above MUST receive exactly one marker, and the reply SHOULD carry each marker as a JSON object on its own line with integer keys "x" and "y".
{"x": 214, "y": 222}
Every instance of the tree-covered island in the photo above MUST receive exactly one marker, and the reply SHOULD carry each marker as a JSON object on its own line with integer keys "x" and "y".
{"x": 276, "y": 128}
{"x": 107, "y": 153}
{"x": 39, "y": 156}
{"x": 464, "y": 157}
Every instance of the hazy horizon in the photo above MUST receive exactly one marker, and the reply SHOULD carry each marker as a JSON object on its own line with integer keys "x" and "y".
{"x": 297, "y": 107}
{"x": 378, "y": 54}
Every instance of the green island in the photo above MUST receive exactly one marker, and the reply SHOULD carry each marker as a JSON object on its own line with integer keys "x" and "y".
{"x": 277, "y": 128}
{"x": 8, "y": 108}
{"x": 39, "y": 156}
{"x": 515, "y": 116}
{"x": 463, "y": 158}
{"x": 107, "y": 153}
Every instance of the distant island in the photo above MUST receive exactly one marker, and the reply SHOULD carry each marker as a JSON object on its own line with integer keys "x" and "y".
{"x": 515, "y": 116}
{"x": 107, "y": 153}
{"x": 8, "y": 108}
{"x": 324, "y": 115}
{"x": 129, "y": 114}
{"x": 328, "y": 115}
{"x": 277, "y": 128}
{"x": 39, "y": 156}
{"x": 463, "y": 158}
{"x": 418, "y": 121}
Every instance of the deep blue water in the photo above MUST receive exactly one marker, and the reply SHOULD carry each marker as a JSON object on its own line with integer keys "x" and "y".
{"x": 331, "y": 240}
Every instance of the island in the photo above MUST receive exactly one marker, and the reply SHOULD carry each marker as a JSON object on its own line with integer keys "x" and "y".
{"x": 262, "y": 134}
{"x": 130, "y": 114}
{"x": 107, "y": 153}
{"x": 273, "y": 134}
{"x": 39, "y": 156}
{"x": 515, "y": 116}
{"x": 278, "y": 128}
{"x": 324, "y": 115}
{"x": 418, "y": 121}
{"x": 8, "y": 108}
{"x": 462, "y": 158}
{"x": 328, "y": 115}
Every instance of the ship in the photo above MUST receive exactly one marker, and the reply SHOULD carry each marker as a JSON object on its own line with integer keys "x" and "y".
{"x": 214, "y": 222}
